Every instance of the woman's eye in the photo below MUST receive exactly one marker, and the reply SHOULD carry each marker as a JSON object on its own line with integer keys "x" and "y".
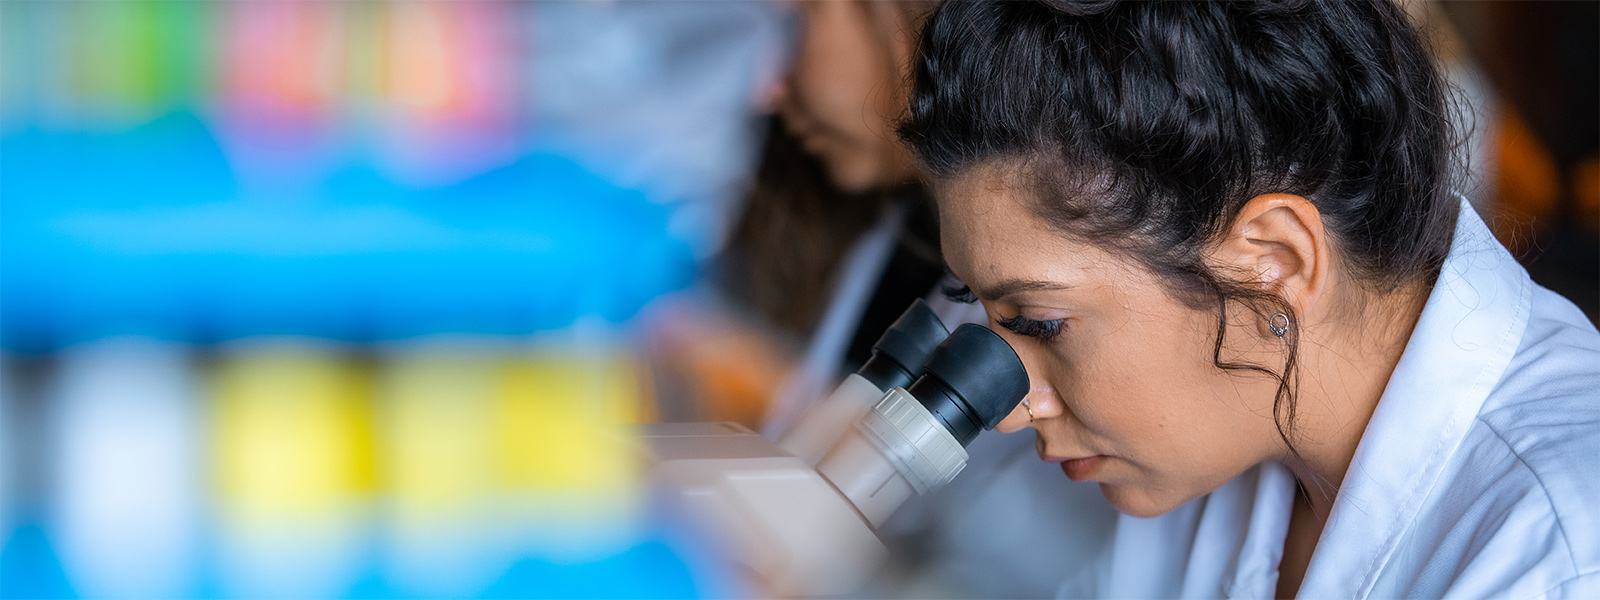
{"x": 1043, "y": 330}
{"x": 959, "y": 293}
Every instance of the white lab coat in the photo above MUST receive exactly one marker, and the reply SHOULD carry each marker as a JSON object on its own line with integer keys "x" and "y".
{"x": 1478, "y": 475}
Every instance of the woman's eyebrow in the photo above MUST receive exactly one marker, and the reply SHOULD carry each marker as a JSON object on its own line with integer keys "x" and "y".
{"x": 1014, "y": 286}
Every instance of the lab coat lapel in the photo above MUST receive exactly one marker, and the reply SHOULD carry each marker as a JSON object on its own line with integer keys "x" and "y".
{"x": 1462, "y": 343}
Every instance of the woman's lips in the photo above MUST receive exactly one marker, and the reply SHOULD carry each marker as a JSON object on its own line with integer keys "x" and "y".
{"x": 1076, "y": 469}
{"x": 1079, "y": 469}
{"x": 799, "y": 129}
{"x": 809, "y": 143}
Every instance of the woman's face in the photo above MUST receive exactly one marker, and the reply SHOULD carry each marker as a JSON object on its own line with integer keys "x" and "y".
{"x": 1123, "y": 386}
{"x": 845, "y": 90}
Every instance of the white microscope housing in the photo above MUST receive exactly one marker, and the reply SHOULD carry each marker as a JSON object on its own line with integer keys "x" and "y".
{"x": 800, "y": 515}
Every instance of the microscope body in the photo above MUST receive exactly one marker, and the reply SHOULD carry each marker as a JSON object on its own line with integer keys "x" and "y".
{"x": 795, "y": 533}
{"x": 804, "y": 529}
{"x": 800, "y": 514}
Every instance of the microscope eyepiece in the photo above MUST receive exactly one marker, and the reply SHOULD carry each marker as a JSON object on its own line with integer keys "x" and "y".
{"x": 904, "y": 347}
{"x": 971, "y": 381}
{"x": 914, "y": 439}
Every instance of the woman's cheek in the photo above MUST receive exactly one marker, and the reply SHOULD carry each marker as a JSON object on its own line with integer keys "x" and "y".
{"x": 1076, "y": 391}
{"x": 1102, "y": 397}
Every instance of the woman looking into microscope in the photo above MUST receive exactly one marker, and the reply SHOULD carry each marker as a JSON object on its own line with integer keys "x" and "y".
{"x": 838, "y": 191}
{"x": 1223, "y": 239}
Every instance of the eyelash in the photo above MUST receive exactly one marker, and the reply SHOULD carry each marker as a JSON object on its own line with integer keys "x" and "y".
{"x": 1044, "y": 330}
{"x": 961, "y": 294}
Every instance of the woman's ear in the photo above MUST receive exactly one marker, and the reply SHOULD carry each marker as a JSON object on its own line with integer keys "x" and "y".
{"x": 1278, "y": 241}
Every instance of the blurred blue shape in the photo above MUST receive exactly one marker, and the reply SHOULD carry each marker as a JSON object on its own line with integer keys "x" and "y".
{"x": 29, "y": 567}
{"x": 648, "y": 570}
{"x": 171, "y": 161}
{"x": 146, "y": 232}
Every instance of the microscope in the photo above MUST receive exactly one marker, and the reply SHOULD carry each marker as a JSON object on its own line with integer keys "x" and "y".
{"x": 800, "y": 515}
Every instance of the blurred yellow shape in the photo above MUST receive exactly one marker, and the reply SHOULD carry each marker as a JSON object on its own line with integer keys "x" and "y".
{"x": 563, "y": 422}
{"x": 490, "y": 454}
{"x": 437, "y": 416}
{"x": 294, "y": 432}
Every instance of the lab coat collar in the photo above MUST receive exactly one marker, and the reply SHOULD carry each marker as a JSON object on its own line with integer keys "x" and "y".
{"x": 1461, "y": 346}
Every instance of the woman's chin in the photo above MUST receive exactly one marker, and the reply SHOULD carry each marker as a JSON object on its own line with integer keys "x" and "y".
{"x": 1136, "y": 502}
{"x": 852, "y": 179}
{"x": 852, "y": 172}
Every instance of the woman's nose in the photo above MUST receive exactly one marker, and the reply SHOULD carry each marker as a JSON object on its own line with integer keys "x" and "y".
{"x": 1040, "y": 403}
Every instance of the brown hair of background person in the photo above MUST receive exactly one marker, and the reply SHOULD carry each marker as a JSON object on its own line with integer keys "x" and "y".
{"x": 792, "y": 236}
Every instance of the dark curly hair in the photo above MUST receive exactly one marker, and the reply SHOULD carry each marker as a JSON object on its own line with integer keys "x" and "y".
{"x": 1146, "y": 126}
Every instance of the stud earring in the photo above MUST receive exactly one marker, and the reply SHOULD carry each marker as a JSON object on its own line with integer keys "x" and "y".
{"x": 1279, "y": 324}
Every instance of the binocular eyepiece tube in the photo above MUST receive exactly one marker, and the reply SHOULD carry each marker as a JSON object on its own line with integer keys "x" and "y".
{"x": 897, "y": 358}
{"x": 914, "y": 438}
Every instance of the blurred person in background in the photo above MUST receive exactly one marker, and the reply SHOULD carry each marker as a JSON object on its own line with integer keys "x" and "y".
{"x": 838, "y": 237}
{"x": 837, "y": 192}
